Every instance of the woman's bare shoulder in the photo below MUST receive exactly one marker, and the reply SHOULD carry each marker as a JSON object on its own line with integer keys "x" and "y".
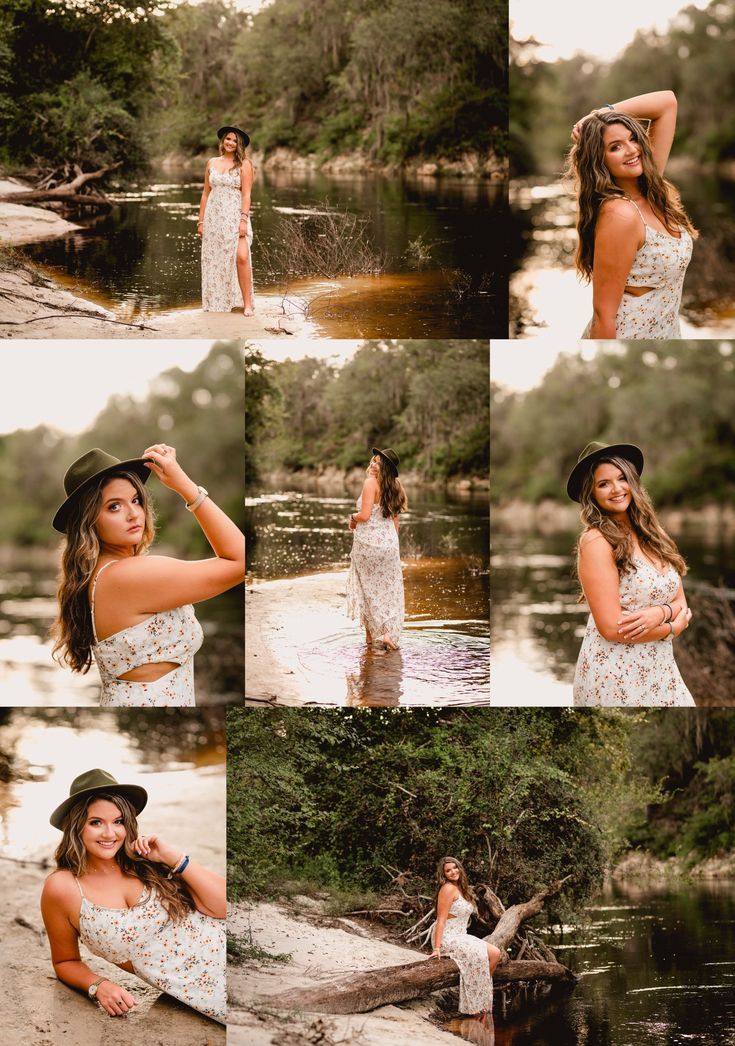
{"x": 448, "y": 890}
{"x": 60, "y": 886}
{"x": 621, "y": 211}
{"x": 594, "y": 542}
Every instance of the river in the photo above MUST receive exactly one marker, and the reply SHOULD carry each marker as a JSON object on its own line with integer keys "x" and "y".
{"x": 537, "y": 623}
{"x": 548, "y": 299}
{"x": 656, "y": 967}
{"x": 298, "y": 552}
{"x": 442, "y": 242}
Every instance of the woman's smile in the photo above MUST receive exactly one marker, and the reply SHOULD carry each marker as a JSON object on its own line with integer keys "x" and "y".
{"x": 611, "y": 489}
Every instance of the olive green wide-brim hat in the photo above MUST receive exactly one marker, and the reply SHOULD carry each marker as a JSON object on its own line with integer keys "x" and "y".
{"x": 85, "y": 471}
{"x": 595, "y": 452}
{"x": 92, "y": 781}
{"x": 390, "y": 456}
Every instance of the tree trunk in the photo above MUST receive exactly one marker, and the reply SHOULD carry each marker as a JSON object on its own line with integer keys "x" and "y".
{"x": 360, "y": 992}
{"x": 67, "y": 192}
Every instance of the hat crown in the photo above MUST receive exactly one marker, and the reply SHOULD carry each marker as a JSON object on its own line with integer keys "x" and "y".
{"x": 591, "y": 448}
{"x": 92, "y": 779}
{"x": 88, "y": 465}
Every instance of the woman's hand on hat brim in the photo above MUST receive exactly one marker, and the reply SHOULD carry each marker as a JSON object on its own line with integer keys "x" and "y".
{"x": 153, "y": 848}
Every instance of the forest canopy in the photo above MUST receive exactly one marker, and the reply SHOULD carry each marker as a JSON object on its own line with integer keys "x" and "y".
{"x": 429, "y": 400}
{"x": 99, "y": 81}
{"x": 676, "y": 401}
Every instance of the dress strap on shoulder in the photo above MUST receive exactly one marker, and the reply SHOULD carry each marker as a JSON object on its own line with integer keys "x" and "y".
{"x": 640, "y": 214}
{"x": 81, "y": 891}
{"x": 91, "y": 601}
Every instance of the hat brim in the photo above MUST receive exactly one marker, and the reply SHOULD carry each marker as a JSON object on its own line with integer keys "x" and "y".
{"x": 377, "y": 450}
{"x": 136, "y": 465}
{"x": 137, "y": 796}
{"x": 238, "y": 130}
{"x": 628, "y": 451}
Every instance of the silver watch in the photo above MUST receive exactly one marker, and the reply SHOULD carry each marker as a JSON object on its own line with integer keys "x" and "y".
{"x": 194, "y": 505}
{"x": 92, "y": 989}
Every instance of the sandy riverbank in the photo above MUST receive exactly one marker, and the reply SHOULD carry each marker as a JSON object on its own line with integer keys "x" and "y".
{"x": 319, "y": 948}
{"x": 36, "y": 1009}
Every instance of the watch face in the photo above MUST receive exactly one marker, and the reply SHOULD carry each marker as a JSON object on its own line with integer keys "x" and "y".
{"x": 92, "y": 990}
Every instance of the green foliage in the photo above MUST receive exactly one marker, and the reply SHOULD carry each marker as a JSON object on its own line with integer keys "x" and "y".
{"x": 634, "y": 393}
{"x": 517, "y": 794}
{"x": 693, "y": 57}
{"x": 405, "y": 395}
{"x": 241, "y": 949}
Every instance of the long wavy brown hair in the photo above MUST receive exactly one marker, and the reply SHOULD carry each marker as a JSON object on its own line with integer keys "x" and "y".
{"x": 391, "y": 495}
{"x": 72, "y": 630}
{"x": 652, "y": 538}
{"x": 462, "y": 884}
{"x": 594, "y": 184}
{"x": 71, "y": 854}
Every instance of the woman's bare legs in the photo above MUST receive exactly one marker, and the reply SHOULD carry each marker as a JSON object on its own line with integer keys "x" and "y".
{"x": 245, "y": 275}
{"x": 493, "y": 957}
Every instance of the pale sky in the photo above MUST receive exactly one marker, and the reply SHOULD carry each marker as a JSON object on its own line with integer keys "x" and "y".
{"x": 602, "y": 30}
{"x": 335, "y": 350}
{"x": 520, "y": 365}
{"x": 66, "y": 384}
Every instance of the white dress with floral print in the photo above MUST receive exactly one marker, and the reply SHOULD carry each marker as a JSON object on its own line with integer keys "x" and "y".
{"x": 470, "y": 954}
{"x": 186, "y": 959}
{"x": 661, "y": 264}
{"x": 375, "y": 581}
{"x": 220, "y": 238}
{"x": 168, "y": 635}
{"x": 633, "y": 674}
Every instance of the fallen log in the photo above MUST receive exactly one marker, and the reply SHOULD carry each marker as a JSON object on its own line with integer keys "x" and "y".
{"x": 358, "y": 993}
{"x": 67, "y": 192}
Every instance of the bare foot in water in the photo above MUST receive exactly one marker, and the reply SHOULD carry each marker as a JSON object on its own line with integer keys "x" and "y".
{"x": 388, "y": 643}
{"x": 248, "y": 311}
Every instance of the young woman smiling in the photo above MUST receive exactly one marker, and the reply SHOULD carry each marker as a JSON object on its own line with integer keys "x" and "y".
{"x": 635, "y": 239}
{"x": 631, "y": 575}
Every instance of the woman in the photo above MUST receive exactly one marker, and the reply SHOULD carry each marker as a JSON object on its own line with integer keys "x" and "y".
{"x": 130, "y": 612}
{"x": 477, "y": 959}
{"x": 225, "y": 227}
{"x": 635, "y": 239}
{"x": 134, "y": 900}
{"x": 375, "y": 581}
{"x": 630, "y": 571}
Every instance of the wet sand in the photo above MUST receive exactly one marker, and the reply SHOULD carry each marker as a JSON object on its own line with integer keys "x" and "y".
{"x": 302, "y": 649}
{"x": 319, "y": 949}
{"x": 36, "y": 1009}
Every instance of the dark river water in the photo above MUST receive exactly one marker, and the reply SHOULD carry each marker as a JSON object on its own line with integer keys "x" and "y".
{"x": 29, "y": 675}
{"x": 447, "y": 238}
{"x": 656, "y": 967}
{"x": 546, "y": 295}
{"x": 537, "y": 623}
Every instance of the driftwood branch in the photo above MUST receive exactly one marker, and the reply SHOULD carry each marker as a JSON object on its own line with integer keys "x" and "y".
{"x": 358, "y": 993}
{"x": 67, "y": 192}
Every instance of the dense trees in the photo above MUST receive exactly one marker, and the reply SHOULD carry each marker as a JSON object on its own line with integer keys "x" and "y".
{"x": 522, "y": 795}
{"x": 105, "y": 80}
{"x": 676, "y": 401}
{"x": 693, "y": 57}
{"x": 426, "y": 399}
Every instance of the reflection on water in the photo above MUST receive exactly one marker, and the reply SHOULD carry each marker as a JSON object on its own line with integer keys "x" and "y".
{"x": 480, "y": 1030}
{"x": 656, "y": 966}
{"x": 48, "y": 749}
{"x": 548, "y": 297}
{"x": 537, "y": 623}
{"x": 144, "y": 254}
{"x": 444, "y": 655}
{"x": 29, "y": 675}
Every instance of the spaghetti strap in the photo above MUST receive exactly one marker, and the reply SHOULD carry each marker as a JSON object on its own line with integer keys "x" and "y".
{"x": 91, "y": 600}
{"x": 81, "y": 891}
{"x": 640, "y": 215}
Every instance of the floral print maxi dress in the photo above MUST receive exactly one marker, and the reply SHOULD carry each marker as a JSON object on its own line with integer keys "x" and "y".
{"x": 375, "y": 581}
{"x": 220, "y": 237}
{"x": 633, "y": 674}
{"x": 661, "y": 264}
{"x": 186, "y": 959}
{"x": 470, "y": 954}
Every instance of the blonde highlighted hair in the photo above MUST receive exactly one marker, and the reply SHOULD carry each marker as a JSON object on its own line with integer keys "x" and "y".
{"x": 462, "y": 884}
{"x": 72, "y": 630}
{"x": 594, "y": 184}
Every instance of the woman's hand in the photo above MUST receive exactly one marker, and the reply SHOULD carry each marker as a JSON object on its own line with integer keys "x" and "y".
{"x": 682, "y": 622}
{"x": 153, "y": 848}
{"x": 436, "y": 954}
{"x": 115, "y": 999}
{"x": 351, "y": 524}
{"x": 200, "y": 228}
{"x": 161, "y": 460}
{"x": 634, "y": 624}
{"x": 577, "y": 129}
{"x": 243, "y": 227}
